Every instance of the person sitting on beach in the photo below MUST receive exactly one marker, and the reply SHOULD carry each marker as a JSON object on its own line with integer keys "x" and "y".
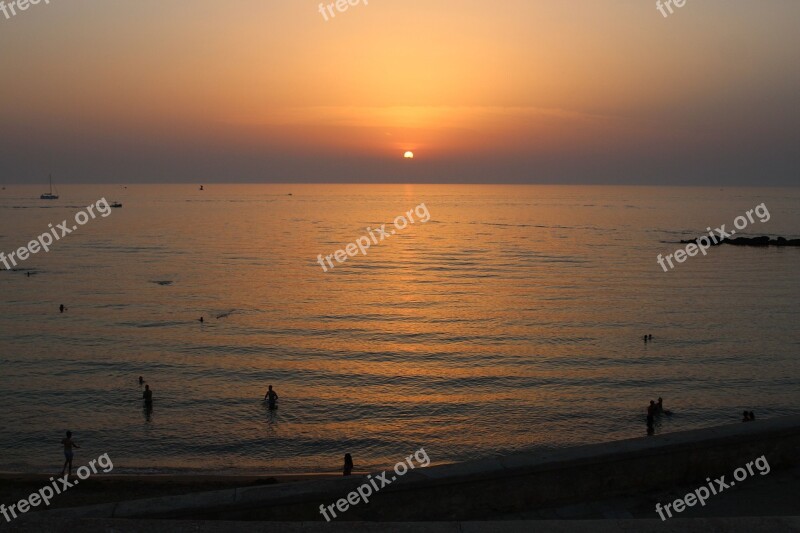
{"x": 272, "y": 396}
{"x": 148, "y": 397}
{"x": 348, "y": 464}
{"x": 68, "y": 445}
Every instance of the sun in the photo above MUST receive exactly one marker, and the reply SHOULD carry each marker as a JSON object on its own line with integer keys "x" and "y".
{"x": 409, "y": 155}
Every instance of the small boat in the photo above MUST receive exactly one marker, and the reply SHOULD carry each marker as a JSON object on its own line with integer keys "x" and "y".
{"x": 116, "y": 204}
{"x": 49, "y": 195}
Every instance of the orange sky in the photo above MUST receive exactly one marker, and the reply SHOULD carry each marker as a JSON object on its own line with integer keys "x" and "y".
{"x": 580, "y": 91}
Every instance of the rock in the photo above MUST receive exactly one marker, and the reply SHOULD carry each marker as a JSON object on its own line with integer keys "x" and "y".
{"x": 747, "y": 241}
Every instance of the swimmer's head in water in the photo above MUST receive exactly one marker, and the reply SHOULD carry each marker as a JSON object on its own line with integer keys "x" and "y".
{"x": 69, "y": 434}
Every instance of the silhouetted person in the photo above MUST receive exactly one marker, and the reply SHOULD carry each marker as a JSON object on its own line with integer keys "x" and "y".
{"x": 61, "y": 308}
{"x": 660, "y": 408}
{"x": 348, "y": 464}
{"x": 752, "y": 416}
{"x": 645, "y": 339}
{"x": 272, "y": 397}
{"x": 147, "y": 395}
{"x": 651, "y": 417}
{"x": 650, "y": 337}
{"x": 652, "y": 410}
{"x": 201, "y": 320}
{"x": 68, "y": 445}
{"x": 745, "y": 416}
{"x": 141, "y": 380}
{"x": 28, "y": 274}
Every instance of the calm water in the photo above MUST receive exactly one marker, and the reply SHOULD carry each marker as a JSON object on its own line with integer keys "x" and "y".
{"x": 511, "y": 320}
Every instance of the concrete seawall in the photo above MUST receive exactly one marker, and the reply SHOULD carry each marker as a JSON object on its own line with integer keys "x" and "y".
{"x": 487, "y": 488}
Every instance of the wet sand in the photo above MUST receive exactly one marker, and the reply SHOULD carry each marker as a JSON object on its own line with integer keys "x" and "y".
{"x": 112, "y": 488}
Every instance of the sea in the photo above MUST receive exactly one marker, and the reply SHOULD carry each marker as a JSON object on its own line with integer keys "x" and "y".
{"x": 510, "y": 318}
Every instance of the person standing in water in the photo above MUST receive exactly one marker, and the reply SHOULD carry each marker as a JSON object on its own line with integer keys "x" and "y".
{"x": 348, "y": 464}
{"x": 272, "y": 397}
{"x": 68, "y": 445}
{"x": 651, "y": 417}
{"x": 147, "y": 395}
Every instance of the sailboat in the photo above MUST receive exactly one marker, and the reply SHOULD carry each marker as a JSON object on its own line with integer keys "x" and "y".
{"x": 49, "y": 195}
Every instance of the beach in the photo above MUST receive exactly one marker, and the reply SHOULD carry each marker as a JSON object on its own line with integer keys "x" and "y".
{"x": 647, "y": 480}
{"x": 114, "y": 488}
{"x": 413, "y": 266}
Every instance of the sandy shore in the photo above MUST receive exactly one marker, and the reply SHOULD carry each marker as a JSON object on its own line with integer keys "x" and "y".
{"x": 107, "y": 488}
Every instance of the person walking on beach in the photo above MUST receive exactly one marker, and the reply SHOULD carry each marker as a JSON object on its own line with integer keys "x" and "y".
{"x": 348, "y": 464}
{"x": 147, "y": 395}
{"x": 272, "y": 397}
{"x": 68, "y": 445}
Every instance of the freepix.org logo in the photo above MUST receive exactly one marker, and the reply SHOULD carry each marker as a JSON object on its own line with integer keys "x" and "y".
{"x": 340, "y": 5}
{"x": 58, "y": 486}
{"x": 10, "y": 9}
{"x": 370, "y": 487}
{"x": 45, "y": 240}
{"x": 363, "y": 243}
